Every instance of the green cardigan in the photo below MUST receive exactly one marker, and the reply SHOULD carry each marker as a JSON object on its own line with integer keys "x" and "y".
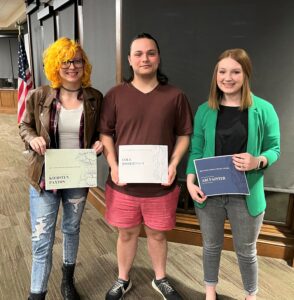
{"x": 263, "y": 139}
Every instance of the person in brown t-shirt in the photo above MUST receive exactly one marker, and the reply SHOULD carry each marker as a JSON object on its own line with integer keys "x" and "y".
{"x": 145, "y": 110}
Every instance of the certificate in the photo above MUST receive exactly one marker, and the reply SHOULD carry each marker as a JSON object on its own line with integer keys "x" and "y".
{"x": 218, "y": 176}
{"x": 143, "y": 164}
{"x": 70, "y": 168}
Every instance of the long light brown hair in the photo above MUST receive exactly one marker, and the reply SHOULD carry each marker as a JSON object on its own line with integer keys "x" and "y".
{"x": 215, "y": 94}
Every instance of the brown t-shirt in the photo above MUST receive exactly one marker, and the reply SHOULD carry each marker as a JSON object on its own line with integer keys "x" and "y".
{"x": 155, "y": 118}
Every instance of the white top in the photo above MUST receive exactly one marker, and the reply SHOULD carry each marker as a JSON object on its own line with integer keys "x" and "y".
{"x": 69, "y": 127}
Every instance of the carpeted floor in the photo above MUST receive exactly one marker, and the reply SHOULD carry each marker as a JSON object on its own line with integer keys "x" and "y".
{"x": 96, "y": 266}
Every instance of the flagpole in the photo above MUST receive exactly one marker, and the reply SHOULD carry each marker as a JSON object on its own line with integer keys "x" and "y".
{"x": 24, "y": 76}
{"x": 19, "y": 27}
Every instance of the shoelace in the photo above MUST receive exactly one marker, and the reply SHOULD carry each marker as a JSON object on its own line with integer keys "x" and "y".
{"x": 117, "y": 286}
{"x": 165, "y": 285}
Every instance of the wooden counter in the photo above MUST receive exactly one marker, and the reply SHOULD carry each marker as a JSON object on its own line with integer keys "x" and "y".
{"x": 8, "y": 101}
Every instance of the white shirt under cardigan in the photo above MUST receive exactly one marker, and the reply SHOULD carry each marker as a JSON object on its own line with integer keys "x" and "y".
{"x": 69, "y": 127}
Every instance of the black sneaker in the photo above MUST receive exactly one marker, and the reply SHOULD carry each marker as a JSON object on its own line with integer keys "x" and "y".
{"x": 163, "y": 287}
{"x": 118, "y": 290}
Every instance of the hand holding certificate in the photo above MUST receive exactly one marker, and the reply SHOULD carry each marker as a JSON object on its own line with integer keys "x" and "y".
{"x": 70, "y": 168}
{"x": 218, "y": 176}
{"x": 143, "y": 164}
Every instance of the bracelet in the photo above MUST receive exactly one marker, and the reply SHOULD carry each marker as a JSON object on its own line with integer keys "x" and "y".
{"x": 259, "y": 164}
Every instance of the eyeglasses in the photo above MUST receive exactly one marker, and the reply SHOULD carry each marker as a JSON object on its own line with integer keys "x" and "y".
{"x": 77, "y": 63}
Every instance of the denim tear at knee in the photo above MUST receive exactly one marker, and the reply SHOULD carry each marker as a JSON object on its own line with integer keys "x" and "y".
{"x": 76, "y": 203}
{"x": 39, "y": 229}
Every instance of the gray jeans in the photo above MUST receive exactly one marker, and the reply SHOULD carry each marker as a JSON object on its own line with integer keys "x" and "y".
{"x": 245, "y": 231}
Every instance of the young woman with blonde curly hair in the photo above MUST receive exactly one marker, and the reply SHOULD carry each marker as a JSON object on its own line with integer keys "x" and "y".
{"x": 62, "y": 115}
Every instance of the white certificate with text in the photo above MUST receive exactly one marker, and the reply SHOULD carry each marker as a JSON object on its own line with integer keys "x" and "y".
{"x": 70, "y": 168}
{"x": 143, "y": 164}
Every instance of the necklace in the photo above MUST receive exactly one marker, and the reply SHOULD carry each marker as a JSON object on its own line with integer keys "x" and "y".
{"x": 69, "y": 90}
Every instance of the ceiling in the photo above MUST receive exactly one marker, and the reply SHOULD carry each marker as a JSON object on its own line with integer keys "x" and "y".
{"x": 11, "y": 11}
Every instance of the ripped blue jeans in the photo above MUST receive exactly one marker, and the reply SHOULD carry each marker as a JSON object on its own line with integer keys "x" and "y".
{"x": 44, "y": 208}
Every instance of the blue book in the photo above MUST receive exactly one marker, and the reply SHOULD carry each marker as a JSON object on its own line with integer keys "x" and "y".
{"x": 218, "y": 176}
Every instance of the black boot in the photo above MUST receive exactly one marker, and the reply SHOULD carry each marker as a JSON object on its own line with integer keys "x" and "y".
{"x": 40, "y": 296}
{"x": 68, "y": 289}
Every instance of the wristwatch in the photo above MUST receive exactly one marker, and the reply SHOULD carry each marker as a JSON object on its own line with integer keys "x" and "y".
{"x": 259, "y": 164}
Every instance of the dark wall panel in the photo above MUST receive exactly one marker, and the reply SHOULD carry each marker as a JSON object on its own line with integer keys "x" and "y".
{"x": 191, "y": 35}
{"x": 100, "y": 45}
{"x": 8, "y": 57}
{"x": 66, "y": 22}
{"x": 37, "y": 49}
{"x": 14, "y": 56}
{"x": 48, "y": 30}
{"x": 48, "y": 39}
{"x": 99, "y": 41}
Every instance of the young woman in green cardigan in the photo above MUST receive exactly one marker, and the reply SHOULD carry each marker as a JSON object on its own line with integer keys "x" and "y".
{"x": 233, "y": 122}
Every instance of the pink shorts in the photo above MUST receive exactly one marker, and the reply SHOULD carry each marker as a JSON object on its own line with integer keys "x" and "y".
{"x": 125, "y": 211}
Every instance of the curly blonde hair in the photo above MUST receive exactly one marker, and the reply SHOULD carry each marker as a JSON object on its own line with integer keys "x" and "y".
{"x": 62, "y": 50}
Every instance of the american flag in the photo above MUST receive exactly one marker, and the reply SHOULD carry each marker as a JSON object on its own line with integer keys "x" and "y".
{"x": 24, "y": 79}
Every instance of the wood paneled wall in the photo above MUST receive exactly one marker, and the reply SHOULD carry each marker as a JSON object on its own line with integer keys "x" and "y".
{"x": 8, "y": 101}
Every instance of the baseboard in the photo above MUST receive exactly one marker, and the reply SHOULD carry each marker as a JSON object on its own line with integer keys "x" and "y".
{"x": 273, "y": 241}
